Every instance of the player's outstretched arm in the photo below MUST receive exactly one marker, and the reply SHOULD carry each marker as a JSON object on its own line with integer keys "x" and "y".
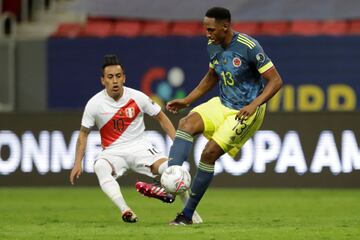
{"x": 79, "y": 154}
{"x": 166, "y": 124}
{"x": 207, "y": 83}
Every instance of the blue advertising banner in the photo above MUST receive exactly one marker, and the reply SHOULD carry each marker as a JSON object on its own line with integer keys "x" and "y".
{"x": 319, "y": 73}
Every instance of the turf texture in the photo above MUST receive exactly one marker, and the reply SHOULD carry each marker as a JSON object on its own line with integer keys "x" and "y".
{"x": 86, "y": 213}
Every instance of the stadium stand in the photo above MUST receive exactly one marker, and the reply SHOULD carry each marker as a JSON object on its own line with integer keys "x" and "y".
{"x": 134, "y": 28}
{"x": 13, "y": 7}
{"x": 156, "y": 28}
{"x": 69, "y": 30}
{"x": 354, "y": 27}
{"x": 305, "y": 28}
{"x": 130, "y": 21}
{"x": 127, "y": 28}
{"x": 94, "y": 28}
{"x": 274, "y": 28}
{"x": 334, "y": 27}
{"x": 251, "y": 28}
{"x": 189, "y": 29}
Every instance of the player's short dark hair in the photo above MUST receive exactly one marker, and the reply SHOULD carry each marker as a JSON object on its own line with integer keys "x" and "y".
{"x": 219, "y": 13}
{"x": 110, "y": 60}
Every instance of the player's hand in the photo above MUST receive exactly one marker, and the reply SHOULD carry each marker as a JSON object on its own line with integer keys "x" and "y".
{"x": 75, "y": 173}
{"x": 175, "y": 105}
{"x": 245, "y": 112}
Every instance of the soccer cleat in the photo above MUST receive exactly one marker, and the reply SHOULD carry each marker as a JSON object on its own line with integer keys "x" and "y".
{"x": 129, "y": 217}
{"x": 184, "y": 196}
{"x": 181, "y": 220}
{"x": 154, "y": 191}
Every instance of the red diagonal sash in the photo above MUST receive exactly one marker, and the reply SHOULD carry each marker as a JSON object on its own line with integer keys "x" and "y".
{"x": 117, "y": 125}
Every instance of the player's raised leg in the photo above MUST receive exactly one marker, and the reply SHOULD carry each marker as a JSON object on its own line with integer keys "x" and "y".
{"x": 111, "y": 188}
{"x": 189, "y": 126}
{"x": 179, "y": 152}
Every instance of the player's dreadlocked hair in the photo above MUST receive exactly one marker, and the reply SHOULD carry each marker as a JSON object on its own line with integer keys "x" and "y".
{"x": 110, "y": 60}
{"x": 219, "y": 13}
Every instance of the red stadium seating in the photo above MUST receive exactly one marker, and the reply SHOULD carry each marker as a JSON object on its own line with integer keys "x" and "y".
{"x": 334, "y": 27}
{"x": 274, "y": 28}
{"x": 354, "y": 27}
{"x": 156, "y": 28}
{"x": 250, "y": 28}
{"x": 127, "y": 28}
{"x": 104, "y": 27}
{"x": 70, "y": 30}
{"x": 305, "y": 28}
{"x": 101, "y": 28}
{"x": 189, "y": 29}
{"x": 13, "y": 6}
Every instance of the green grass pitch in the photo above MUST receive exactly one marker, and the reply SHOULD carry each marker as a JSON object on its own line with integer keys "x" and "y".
{"x": 86, "y": 213}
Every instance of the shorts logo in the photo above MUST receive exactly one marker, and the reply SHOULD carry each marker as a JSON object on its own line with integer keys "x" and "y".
{"x": 236, "y": 62}
{"x": 260, "y": 57}
{"x": 130, "y": 112}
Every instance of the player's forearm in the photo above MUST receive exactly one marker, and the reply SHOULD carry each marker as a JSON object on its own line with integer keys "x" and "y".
{"x": 271, "y": 88}
{"x": 81, "y": 145}
{"x": 205, "y": 85}
{"x": 166, "y": 125}
{"x": 80, "y": 151}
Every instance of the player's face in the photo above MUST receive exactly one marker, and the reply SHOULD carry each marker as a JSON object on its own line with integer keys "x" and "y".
{"x": 113, "y": 80}
{"x": 215, "y": 30}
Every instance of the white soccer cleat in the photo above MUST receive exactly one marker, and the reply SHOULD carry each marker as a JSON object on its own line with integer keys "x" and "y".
{"x": 196, "y": 217}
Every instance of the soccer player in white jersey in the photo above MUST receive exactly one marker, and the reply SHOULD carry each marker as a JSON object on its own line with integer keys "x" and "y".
{"x": 118, "y": 112}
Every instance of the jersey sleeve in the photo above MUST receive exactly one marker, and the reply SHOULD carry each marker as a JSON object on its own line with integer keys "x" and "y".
{"x": 88, "y": 118}
{"x": 147, "y": 105}
{"x": 258, "y": 57}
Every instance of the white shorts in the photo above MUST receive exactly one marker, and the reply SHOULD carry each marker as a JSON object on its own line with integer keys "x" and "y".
{"x": 138, "y": 157}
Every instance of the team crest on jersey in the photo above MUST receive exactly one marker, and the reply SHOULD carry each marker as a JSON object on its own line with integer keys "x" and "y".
{"x": 236, "y": 62}
{"x": 130, "y": 112}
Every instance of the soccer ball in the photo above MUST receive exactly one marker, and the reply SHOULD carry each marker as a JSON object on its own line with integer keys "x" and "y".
{"x": 175, "y": 179}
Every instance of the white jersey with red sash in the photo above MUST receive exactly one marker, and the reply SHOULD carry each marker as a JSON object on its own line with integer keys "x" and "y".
{"x": 119, "y": 122}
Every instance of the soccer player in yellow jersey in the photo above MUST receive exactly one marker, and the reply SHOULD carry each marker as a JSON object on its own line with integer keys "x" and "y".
{"x": 247, "y": 79}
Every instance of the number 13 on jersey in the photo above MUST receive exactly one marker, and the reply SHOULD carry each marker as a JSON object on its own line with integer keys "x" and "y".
{"x": 227, "y": 78}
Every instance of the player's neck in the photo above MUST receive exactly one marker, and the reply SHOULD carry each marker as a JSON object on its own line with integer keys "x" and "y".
{"x": 228, "y": 39}
{"x": 116, "y": 97}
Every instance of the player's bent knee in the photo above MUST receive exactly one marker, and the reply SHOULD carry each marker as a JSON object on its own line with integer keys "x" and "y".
{"x": 209, "y": 156}
{"x": 154, "y": 168}
{"x": 192, "y": 123}
{"x": 103, "y": 171}
{"x": 183, "y": 122}
{"x": 102, "y": 167}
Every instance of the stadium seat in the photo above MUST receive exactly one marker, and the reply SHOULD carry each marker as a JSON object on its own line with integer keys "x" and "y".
{"x": 306, "y": 28}
{"x": 274, "y": 28}
{"x": 13, "y": 6}
{"x": 250, "y": 28}
{"x": 127, "y": 28}
{"x": 354, "y": 27}
{"x": 156, "y": 28}
{"x": 189, "y": 29}
{"x": 69, "y": 30}
{"x": 334, "y": 27}
{"x": 98, "y": 28}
